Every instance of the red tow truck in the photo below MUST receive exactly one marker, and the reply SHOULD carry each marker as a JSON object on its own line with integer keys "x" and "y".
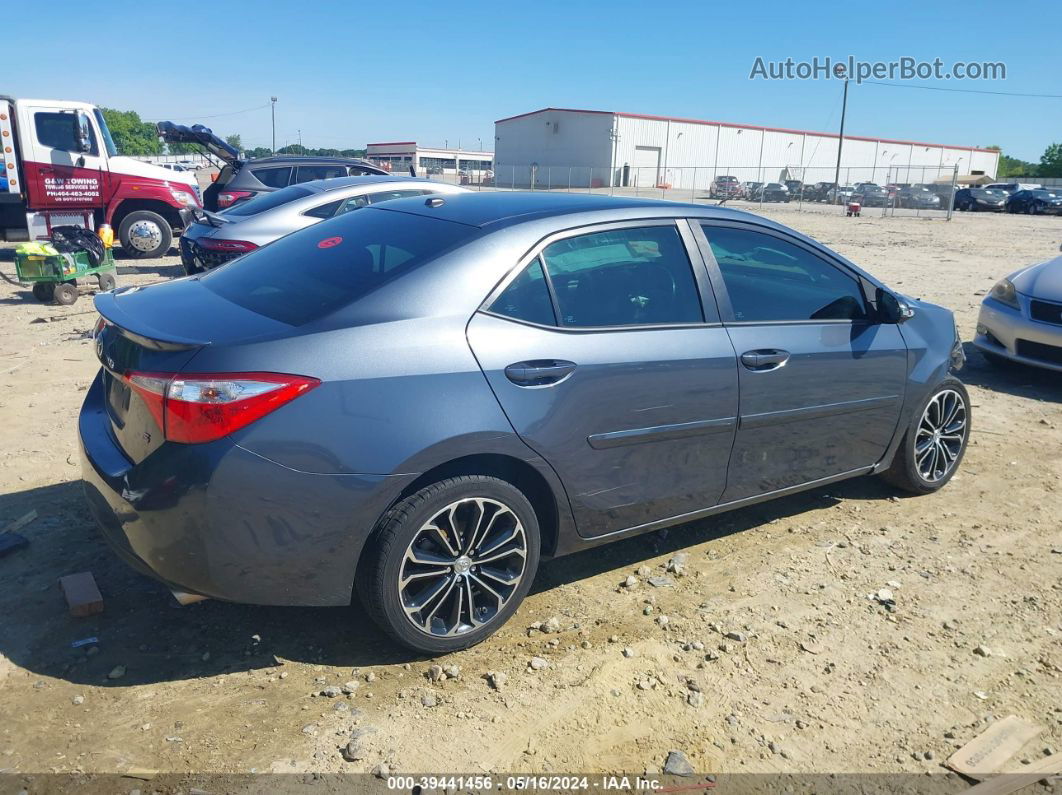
{"x": 60, "y": 166}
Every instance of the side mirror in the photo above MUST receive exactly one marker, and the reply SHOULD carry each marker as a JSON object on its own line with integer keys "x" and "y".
{"x": 891, "y": 309}
{"x": 84, "y": 135}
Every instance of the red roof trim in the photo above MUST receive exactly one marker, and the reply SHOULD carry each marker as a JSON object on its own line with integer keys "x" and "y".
{"x": 394, "y": 143}
{"x": 744, "y": 127}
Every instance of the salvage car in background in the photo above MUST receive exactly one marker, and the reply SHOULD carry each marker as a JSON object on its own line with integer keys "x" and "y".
{"x": 212, "y": 239}
{"x": 916, "y": 197}
{"x": 870, "y": 194}
{"x": 241, "y": 180}
{"x": 974, "y": 199}
{"x": 774, "y": 192}
{"x": 1034, "y": 202}
{"x": 424, "y": 398}
{"x": 1021, "y": 318}
{"x": 725, "y": 187}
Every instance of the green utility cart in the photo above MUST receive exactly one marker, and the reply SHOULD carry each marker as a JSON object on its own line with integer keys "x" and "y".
{"x": 55, "y": 276}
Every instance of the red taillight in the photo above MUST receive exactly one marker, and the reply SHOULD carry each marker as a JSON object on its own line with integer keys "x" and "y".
{"x": 217, "y": 244}
{"x": 230, "y": 197}
{"x": 192, "y": 409}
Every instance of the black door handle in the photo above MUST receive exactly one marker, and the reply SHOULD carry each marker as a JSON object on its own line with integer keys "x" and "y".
{"x": 764, "y": 359}
{"x": 539, "y": 372}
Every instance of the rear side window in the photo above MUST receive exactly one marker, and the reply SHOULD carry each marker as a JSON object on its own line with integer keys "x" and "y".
{"x": 273, "y": 177}
{"x": 313, "y": 272}
{"x": 325, "y": 210}
{"x": 309, "y": 173}
{"x": 267, "y": 201}
{"x": 770, "y": 279}
{"x": 527, "y": 298}
{"x": 363, "y": 171}
{"x": 623, "y": 277}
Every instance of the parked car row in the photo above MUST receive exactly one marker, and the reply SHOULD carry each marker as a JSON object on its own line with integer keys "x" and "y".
{"x": 418, "y": 399}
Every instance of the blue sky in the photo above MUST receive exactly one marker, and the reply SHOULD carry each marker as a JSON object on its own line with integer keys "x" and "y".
{"x": 347, "y": 73}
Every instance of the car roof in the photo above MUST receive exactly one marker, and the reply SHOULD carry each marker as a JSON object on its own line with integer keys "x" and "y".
{"x": 497, "y": 209}
{"x": 285, "y": 160}
{"x": 334, "y": 183}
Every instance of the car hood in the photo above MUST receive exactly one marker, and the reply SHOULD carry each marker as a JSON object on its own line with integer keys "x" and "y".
{"x": 138, "y": 168}
{"x": 1041, "y": 281}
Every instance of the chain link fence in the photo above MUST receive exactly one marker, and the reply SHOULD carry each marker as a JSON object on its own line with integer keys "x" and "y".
{"x": 885, "y": 188}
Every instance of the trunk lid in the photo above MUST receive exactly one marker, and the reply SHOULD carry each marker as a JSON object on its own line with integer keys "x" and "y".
{"x": 198, "y": 134}
{"x": 160, "y": 329}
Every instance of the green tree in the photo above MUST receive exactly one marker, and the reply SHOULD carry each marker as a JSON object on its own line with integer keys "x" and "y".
{"x": 293, "y": 149}
{"x": 1051, "y": 162}
{"x": 259, "y": 151}
{"x": 1012, "y": 166}
{"x": 234, "y": 141}
{"x": 181, "y": 149}
{"x": 132, "y": 135}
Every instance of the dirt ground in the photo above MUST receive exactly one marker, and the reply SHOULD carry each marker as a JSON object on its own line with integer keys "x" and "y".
{"x": 816, "y": 677}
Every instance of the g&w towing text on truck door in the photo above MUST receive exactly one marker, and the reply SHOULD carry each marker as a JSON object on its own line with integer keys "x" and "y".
{"x": 60, "y": 166}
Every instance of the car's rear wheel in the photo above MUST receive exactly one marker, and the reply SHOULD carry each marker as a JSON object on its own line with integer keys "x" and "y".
{"x": 451, "y": 563}
{"x": 935, "y": 442}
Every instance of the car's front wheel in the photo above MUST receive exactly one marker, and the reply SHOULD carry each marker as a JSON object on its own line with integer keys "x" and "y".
{"x": 935, "y": 442}
{"x": 451, "y": 563}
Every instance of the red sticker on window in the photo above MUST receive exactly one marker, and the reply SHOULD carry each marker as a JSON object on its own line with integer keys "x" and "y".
{"x": 330, "y": 242}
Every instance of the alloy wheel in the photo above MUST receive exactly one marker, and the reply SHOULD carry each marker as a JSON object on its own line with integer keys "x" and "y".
{"x": 462, "y": 567}
{"x": 941, "y": 435}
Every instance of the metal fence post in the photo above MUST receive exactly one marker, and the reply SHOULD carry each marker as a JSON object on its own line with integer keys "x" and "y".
{"x": 951, "y": 193}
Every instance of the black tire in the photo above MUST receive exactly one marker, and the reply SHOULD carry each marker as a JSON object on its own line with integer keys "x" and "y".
{"x": 44, "y": 292}
{"x": 106, "y": 281}
{"x": 905, "y": 473}
{"x": 153, "y": 236}
{"x": 65, "y": 293}
{"x": 381, "y": 568}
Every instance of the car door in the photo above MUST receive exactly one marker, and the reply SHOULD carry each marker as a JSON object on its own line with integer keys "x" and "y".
{"x": 821, "y": 380}
{"x": 605, "y": 350}
{"x": 66, "y": 162}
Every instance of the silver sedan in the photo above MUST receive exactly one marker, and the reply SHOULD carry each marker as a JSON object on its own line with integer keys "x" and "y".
{"x": 1021, "y": 318}
{"x": 212, "y": 239}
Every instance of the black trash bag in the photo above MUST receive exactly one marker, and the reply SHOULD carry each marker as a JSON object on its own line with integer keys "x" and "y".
{"x": 68, "y": 239}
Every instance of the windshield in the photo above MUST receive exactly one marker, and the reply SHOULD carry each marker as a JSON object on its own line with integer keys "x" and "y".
{"x": 108, "y": 142}
{"x": 267, "y": 201}
{"x": 313, "y": 272}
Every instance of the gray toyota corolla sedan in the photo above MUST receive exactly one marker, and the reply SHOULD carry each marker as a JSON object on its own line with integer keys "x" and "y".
{"x": 1021, "y": 318}
{"x": 447, "y": 390}
{"x": 212, "y": 239}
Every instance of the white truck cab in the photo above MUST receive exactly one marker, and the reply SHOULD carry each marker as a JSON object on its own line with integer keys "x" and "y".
{"x": 60, "y": 166}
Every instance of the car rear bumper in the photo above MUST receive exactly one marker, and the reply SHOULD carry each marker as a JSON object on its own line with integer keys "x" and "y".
{"x": 219, "y": 521}
{"x": 1009, "y": 334}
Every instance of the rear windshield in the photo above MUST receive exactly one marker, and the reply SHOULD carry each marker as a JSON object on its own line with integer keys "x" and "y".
{"x": 267, "y": 201}
{"x": 313, "y": 272}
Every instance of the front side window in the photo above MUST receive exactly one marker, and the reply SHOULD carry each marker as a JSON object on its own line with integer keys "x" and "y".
{"x": 623, "y": 277}
{"x": 770, "y": 279}
{"x": 273, "y": 177}
{"x": 388, "y": 195}
{"x": 60, "y": 131}
{"x": 527, "y": 297}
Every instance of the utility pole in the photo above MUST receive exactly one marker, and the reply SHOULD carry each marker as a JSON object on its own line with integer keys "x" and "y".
{"x": 273, "y": 108}
{"x": 839, "y": 70}
{"x": 300, "y": 138}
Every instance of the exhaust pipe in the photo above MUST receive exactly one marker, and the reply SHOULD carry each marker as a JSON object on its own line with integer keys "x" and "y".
{"x": 185, "y": 599}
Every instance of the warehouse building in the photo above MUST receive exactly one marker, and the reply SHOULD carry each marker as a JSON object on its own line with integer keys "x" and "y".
{"x": 398, "y": 156}
{"x": 590, "y": 148}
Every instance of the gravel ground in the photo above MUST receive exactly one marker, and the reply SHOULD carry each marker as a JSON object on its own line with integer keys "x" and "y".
{"x": 760, "y": 651}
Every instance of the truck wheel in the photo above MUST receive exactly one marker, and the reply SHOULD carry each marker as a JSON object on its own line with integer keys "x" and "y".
{"x": 44, "y": 291}
{"x": 144, "y": 234}
{"x": 65, "y": 293}
{"x": 106, "y": 281}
